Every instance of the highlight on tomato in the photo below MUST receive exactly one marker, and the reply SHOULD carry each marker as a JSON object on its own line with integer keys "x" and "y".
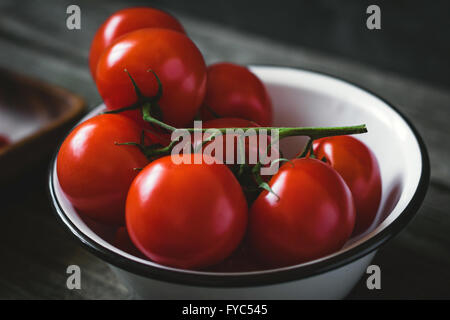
{"x": 125, "y": 21}
{"x": 186, "y": 215}
{"x": 309, "y": 214}
{"x": 233, "y": 91}
{"x": 95, "y": 172}
{"x": 171, "y": 55}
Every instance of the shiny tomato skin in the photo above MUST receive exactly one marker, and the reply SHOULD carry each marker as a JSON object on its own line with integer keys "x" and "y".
{"x": 172, "y": 56}
{"x": 94, "y": 172}
{"x": 125, "y": 21}
{"x": 186, "y": 215}
{"x": 313, "y": 217}
{"x": 230, "y": 123}
{"x": 357, "y": 164}
{"x": 233, "y": 91}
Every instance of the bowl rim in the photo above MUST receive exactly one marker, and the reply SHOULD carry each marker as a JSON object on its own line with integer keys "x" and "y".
{"x": 268, "y": 277}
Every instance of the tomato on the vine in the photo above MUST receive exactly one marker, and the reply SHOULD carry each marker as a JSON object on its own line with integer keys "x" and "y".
{"x": 125, "y": 21}
{"x": 252, "y": 145}
{"x": 186, "y": 215}
{"x": 230, "y": 123}
{"x": 309, "y": 214}
{"x": 233, "y": 91}
{"x": 172, "y": 56}
{"x": 357, "y": 164}
{"x": 95, "y": 172}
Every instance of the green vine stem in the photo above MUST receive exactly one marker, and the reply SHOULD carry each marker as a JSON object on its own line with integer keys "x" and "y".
{"x": 150, "y": 104}
{"x": 146, "y": 108}
{"x": 312, "y": 132}
{"x": 151, "y": 110}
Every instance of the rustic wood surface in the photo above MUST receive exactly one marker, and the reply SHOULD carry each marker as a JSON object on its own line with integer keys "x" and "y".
{"x": 35, "y": 250}
{"x": 33, "y": 114}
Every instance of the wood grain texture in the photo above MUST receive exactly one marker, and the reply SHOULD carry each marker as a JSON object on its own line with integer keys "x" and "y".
{"x": 34, "y": 115}
{"x": 36, "y": 250}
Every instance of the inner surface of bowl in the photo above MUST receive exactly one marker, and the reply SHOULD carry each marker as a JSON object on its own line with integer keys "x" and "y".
{"x": 303, "y": 98}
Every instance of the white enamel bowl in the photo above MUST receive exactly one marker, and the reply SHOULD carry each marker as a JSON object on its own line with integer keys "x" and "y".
{"x": 300, "y": 98}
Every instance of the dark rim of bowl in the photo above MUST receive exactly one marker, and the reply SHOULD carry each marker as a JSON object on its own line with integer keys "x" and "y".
{"x": 265, "y": 277}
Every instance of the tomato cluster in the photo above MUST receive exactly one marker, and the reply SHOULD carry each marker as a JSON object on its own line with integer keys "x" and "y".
{"x": 115, "y": 169}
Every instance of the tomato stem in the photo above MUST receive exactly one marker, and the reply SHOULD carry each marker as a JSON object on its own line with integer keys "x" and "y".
{"x": 308, "y": 150}
{"x": 147, "y": 117}
{"x": 312, "y": 132}
{"x": 147, "y": 103}
{"x": 149, "y": 108}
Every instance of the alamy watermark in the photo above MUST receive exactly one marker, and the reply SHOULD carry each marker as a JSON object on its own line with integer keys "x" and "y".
{"x": 74, "y": 279}
{"x": 373, "y": 22}
{"x": 374, "y": 279}
{"x": 228, "y": 146}
{"x": 73, "y": 21}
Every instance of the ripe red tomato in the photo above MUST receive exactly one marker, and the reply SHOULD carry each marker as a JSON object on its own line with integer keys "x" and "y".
{"x": 125, "y": 21}
{"x": 186, "y": 215}
{"x": 94, "y": 172}
{"x": 230, "y": 123}
{"x": 357, "y": 164}
{"x": 313, "y": 216}
{"x": 234, "y": 91}
{"x": 171, "y": 55}
{"x": 253, "y": 148}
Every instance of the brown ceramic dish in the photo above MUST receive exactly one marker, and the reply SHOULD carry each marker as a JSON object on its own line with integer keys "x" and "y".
{"x": 33, "y": 115}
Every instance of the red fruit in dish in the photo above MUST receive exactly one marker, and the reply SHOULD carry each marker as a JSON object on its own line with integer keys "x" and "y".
{"x": 231, "y": 123}
{"x": 125, "y": 21}
{"x": 186, "y": 215}
{"x": 233, "y": 91}
{"x": 310, "y": 215}
{"x": 172, "y": 56}
{"x": 357, "y": 164}
{"x": 94, "y": 172}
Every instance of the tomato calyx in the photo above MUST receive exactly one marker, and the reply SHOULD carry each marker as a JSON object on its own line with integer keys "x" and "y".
{"x": 149, "y": 104}
{"x": 308, "y": 150}
{"x": 142, "y": 100}
{"x": 151, "y": 151}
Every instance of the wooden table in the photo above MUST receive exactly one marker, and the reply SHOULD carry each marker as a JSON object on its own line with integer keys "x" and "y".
{"x": 35, "y": 250}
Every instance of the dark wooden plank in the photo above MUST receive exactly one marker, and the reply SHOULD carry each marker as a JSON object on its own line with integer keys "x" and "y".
{"x": 34, "y": 40}
{"x": 36, "y": 250}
